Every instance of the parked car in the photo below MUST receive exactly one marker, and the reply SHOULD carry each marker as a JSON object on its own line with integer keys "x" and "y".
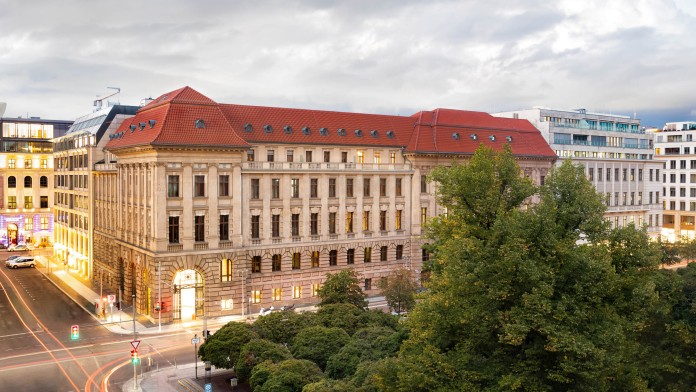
{"x": 23, "y": 262}
{"x": 7, "y": 262}
{"x": 2, "y": 245}
{"x": 17, "y": 248}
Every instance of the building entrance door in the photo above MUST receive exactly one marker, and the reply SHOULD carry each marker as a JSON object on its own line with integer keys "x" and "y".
{"x": 188, "y": 295}
{"x": 11, "y": 234}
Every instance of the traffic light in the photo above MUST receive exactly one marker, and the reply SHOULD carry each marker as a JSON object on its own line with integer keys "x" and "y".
{"x": 75, "y": 332}
{"x": 158, "y": 306}
{"x": 135, "y": 359}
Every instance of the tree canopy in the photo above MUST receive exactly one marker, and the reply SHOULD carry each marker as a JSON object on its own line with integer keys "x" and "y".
{"x": 342, "y": 287}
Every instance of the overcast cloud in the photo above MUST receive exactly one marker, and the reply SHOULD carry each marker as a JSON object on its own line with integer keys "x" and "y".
{"x": 392, "y": 57}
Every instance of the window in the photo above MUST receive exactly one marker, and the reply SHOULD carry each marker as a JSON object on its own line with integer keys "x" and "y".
{"x": 361, "y": 157}
{"x": 44, "y": 201}
{"x": 28, "y": 224}
{"x": 296, "y": 292}
{"x": 12, "y": 202}
{"x": 250, "y": 155}
{"x": 296, "y": 260}
{"x": 225, "y": 270}
{"x": 392, "y": 158}
{"x": 399, "y": 252}
{"x": 295, "y": 225}
{"x": 43, "y": 182}
{"x": 368, "y": 284}
{"x": 383, "y": 253}
{"x": 590, "y": 174}
{"x": 344, "y": 156}
{"x": 424, "y": 215}
{"x": 199, "y": 228}
{"x": 256, "y": 296}
{"x": 333, "y": 257}
{"x": 270, "y": 155}
{"x": 314, "y": 223}
{"x": 308, "y": 156}
{"x": 366, "y": 221}
{"x": 27, "y": 164}
{"x": 640, "y": 174}
{"x": 397, "y": 220}
{"x": 224, "y": 227}
{"x": 633, "y": 174}
{"x": 254, "y": 188}
{"x": 275, "y": 225}
{"x": 423, "y": 184}
{"x": 383, "y": 220}
{"x": 43, "y": 163}
{"x": 173, "y": 229}
{"x": 224, "y": 186}
{"x": 608, "y": 174}
{"x": 623, "y": 177}
{"x": 332, "y": 223}
{"x": 600, "y": 174}
{"x": 27, "y": 182}
{"x": 397, "y": 189}
{"x": 295, "y": 188}
{"x": 313, "y": 187}
{"x": 368, "y": 255}
{"x": 366, "y": 187}
{"x": 377, "y": 157}
{"x": 315, "y": 289}
{"x": 315, "y": 259}
{"x": 382, "y": 187}
{"x": 172, "y": 186}
{"x": 256, "y": 264}
{"x": 11, "y": 164}
{"x": 276, "y": 263}
{"x": 11, "y": 182}
{"x": 199, "y": 186}
{"x": 290, "y": 155}
{"x": 327, "y": 156}
{"x": 43, "y": 222}
{"x": 425, "y": 255}
{"x": 349, "y": 221}
{"x": 332, "y": 187}
{"x": 350, "y": 256}
{"x": 349, "y": 187}
{"x": 275, "y": 188}
{"x": 255, "y": 229}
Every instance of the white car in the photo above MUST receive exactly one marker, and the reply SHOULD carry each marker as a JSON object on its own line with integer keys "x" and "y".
{"x": 7, "y": 262}
{"x": 22, "y": 262}
{"x": 17, "y": 248}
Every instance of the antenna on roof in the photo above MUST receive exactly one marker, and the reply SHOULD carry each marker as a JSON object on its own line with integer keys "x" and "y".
{"x": 99, "y": 102}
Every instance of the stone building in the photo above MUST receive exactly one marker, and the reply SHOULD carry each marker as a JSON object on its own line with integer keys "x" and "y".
{"x": 217, "y": 209}
{"x": 26, "y": 178}
{"x": 618, "y": 159}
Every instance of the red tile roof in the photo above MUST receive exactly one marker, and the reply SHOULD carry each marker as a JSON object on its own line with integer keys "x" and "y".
{"x": 172, "y": 119}
{"x": 175, "y": 115}
{"x": 451, "y": 131}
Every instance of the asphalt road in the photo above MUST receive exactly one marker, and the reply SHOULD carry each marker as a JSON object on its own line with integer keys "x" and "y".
{"x": 38, "y": 354}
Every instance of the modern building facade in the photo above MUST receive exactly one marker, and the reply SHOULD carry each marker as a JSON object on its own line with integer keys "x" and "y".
{"x": 214, "y": 209}
{"x": 617, "y": 155}
{"x": 675, "y": 148}
{"x": 75, "y": 155}
{"x": 26, "y": 174}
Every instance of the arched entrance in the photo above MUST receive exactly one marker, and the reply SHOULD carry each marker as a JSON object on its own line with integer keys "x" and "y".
{"x": 11, "y": 234}
{"x": 189, "y": 295}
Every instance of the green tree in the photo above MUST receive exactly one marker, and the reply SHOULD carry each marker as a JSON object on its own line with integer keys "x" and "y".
{"x": 399, "y": 289}
{"x": 526, "y": 298}
{"x": 223, "y": 347}
{"x": 287, "y": 376}
{"x": 342, "y": 287}
{"x": 367, "y": 344}
{"x": 318, "y": 344}
{"x": 281, "y": 327}
{"x": 257, "y": 351}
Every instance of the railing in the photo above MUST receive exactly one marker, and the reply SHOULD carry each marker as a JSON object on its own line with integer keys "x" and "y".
{"x": 226, "y": 244}
{"x": 175, "y": 247}
{"x": 201, "y": 246}
{"x": 325, "y": 166}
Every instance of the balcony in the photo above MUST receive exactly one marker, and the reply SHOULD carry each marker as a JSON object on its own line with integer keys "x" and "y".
{"x": 324, "y": 166}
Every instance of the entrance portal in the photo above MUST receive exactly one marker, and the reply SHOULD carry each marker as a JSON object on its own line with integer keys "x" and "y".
{"x": 11, "y": 234}
{"x": 188, "y": 297}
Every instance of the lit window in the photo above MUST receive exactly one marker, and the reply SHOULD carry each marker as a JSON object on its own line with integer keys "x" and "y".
{"x": 315, "y": 289}
{"x": 361, "y": 157}
{"x": 296, "y": 260}
{"x": 297, "y": 292}
{"x": 28, "y": 224}
{"x": 276, "y": 261}
{"x": 256, "y": 296}
{"x": 278, "y": 294}
{"x": 315, "y": 259}
{"x": 226, "y": 270}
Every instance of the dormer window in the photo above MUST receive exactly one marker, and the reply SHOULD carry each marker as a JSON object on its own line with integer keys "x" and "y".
{"x": 200, "y": 124}
{"x": 287, "y": 129}
{"x": 142, "y": 125}
{"x": 390, "y": 134}
{"x": 455, "y": 136}
{"x": 491, "y": 138}
{"x": 509, "y": 139}
{"x": 473, "y": 136}
{"x": 306, "y": 130}
{"x": 324, "y": 131}
{"x": 248, "y": 127}
{"x": 358, "y": 132}
{"x": 374, "y": 133}
{"x": 152, "y": 123}
{"x": 133, "y": 127}
{"x": 341, "y": 132}
{"x": 268, "y": 128}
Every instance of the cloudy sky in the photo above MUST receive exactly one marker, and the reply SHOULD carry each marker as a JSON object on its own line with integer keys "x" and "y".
{"x": 392, "y": 56}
